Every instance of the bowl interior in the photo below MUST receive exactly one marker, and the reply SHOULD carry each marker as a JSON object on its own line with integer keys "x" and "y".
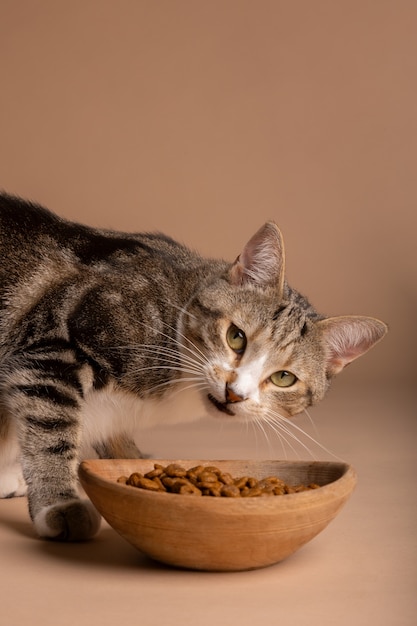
{"x": 292, "y": 472}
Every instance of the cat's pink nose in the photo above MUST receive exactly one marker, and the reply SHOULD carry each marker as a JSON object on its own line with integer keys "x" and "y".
{"x": 231, "y": 396}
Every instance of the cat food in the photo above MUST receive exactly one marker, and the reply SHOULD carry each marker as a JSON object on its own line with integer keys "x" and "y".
{"x": 209, "y": 481}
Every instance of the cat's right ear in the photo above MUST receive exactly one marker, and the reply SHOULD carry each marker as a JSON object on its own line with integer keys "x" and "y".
{"x": 262, "y": 261}
{"x": 348, "y": 337}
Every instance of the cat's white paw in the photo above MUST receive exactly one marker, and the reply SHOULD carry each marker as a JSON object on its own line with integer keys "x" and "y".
{"x": 72, "y": 520}
{"x": 12, "y": 483}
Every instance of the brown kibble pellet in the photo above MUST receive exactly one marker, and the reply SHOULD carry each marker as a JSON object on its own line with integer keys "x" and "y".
{"x": 226, "y": 478}
{"x": 143, "y": 483}
{"x": 159, "y": 482}
{"x": 184, "y": 486}
{"x": 169, "y": 482}
{"x": 212, "y": 468}
{"x": 210, "y": 481}
{"x": 173, "y": 470}
{"x": 230, "y": 491}
{"x": 134, "y": 479}
{"x": 279, "y": 490}
{"x": 251, "y": 492}
{"x": 156, "y": 472}
{"x": 196, "y": 470}
{"x": 241, "y": 482}
{"x": 189, "y": 490}
{"x": 208, "y": 477}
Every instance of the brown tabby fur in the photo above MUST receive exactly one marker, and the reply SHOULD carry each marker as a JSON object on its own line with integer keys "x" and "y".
{"x": 101, "y": 331}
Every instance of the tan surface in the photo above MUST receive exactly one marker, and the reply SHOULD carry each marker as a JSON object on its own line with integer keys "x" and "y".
{"x": 204, "y": 119}
{"x": 360, "y": 570}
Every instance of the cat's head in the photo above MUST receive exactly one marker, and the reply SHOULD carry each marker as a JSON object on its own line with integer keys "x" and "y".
{"x": 260, "y": 346}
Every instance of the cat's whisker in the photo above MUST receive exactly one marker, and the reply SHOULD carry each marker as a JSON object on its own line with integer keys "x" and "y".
{"x": 254, "y": 426}
{"x": 279, "y": 433}
{"x": 180, "y": 366}
{"x": 257, "y": 422}
{"x": 181, "y": 309}
{"x": 170, "y": 357}
{"x": 197, "y": 384}
{"x": 160, "y": 352}
{"x": 287, "y": 424}
{"x": 312, "y": 422}
{"x": 195, "y": 351}
{"x": 283, "y": 433}
{"x": 184, "y": 375}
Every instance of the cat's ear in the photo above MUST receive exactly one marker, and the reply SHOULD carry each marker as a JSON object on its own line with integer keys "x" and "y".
{"x": 347, "y": 338}
{"x": 262, "y": 261}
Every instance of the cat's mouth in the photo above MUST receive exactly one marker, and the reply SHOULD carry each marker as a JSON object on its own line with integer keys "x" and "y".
{"x": 220, "y": 406}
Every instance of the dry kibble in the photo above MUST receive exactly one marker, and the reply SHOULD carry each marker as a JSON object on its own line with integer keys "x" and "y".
{"x": 241, "y": 482}
{"x": 279, "y": 490}
{"x": 156, "y": 472}
{"x": 226, "y": 478}
{"x": 184, "y": 486}
{"x": 134, "y": 479}
{"x": 168, "y": 482}
{"x": 159, "y": 482}
{"x": 173, "y": 470}
{"x": 251, "y": 492}
{"x": 207, "y": 477}
{"x": 190, "y": 490}
{"x": 144, "y": 483}
{"x": 209, "y": 481}
{"x": 230, "y": 491}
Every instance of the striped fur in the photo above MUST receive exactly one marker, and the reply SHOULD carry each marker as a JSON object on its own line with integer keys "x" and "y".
{"x": 102, "y": 332}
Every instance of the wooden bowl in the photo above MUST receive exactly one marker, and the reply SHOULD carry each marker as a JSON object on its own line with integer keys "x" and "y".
{"x": 219, "y": 534}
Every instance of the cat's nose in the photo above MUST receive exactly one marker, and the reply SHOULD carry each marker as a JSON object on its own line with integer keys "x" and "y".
{"x": 232, "y": 396}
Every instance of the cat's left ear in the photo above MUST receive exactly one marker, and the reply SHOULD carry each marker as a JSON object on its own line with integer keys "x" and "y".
{"x": 348, "y": 337}
{"x": 262, "y": 261}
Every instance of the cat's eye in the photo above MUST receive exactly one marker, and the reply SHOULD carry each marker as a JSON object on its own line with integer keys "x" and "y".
{"x": 283, "y": 378}
{"x": 236, "y": 339}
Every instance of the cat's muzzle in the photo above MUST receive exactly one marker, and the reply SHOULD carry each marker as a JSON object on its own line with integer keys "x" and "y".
{"x": 220, "y": 406}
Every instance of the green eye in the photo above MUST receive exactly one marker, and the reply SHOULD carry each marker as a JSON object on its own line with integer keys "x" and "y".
{"x": 236, "y": 339}
{"x": 283, "y": 378}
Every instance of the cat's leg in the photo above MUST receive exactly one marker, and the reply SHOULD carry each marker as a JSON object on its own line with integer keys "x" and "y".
{"x": 120, "y": 446}
{"x": 46, "y": 411}
{"x": 12, "y": 483}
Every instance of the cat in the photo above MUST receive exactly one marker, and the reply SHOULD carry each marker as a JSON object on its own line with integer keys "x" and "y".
{"x": 101, "y": 331}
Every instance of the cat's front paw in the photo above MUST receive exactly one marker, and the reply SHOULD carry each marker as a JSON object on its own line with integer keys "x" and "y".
{"x": 72, "y": 520}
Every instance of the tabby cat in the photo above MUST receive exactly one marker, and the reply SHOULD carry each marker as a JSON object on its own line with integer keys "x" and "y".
{"x": 102, "y": 331}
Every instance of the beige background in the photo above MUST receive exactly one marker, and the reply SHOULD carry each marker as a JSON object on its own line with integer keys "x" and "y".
{"x": 203, "y": 120}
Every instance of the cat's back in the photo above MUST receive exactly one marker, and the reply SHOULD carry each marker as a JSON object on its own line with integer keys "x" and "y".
{"x": 39, "y": 249}
{"x": 28, "y": 230}
{"x": 22, "y": 223}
